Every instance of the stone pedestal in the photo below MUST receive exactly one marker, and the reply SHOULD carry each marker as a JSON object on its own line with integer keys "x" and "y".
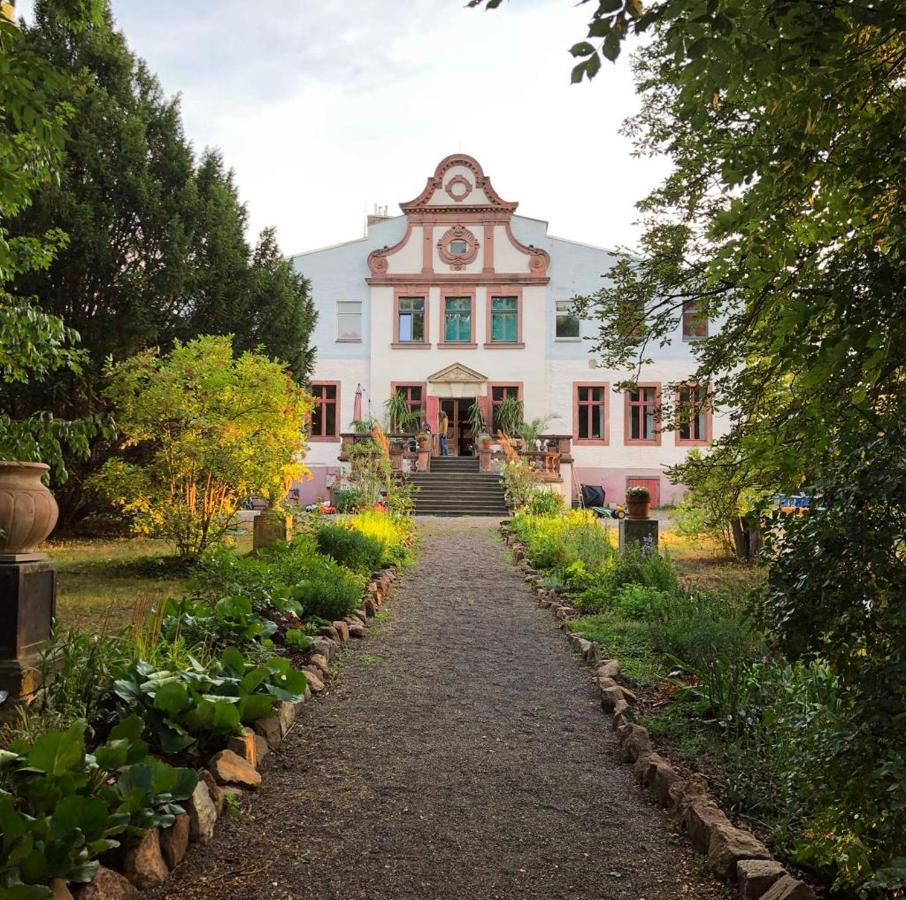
{"x": 638, "y": 531}
{"x": 269, "y": 527}
{"x": 28, "y": 600}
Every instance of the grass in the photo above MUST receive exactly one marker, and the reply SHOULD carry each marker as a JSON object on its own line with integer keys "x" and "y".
{"x": 624, "y": 640}
{"x": 100, "y": 580}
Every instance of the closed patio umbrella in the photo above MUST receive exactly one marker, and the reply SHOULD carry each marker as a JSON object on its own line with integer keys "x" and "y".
{"x": 357, "y": 404}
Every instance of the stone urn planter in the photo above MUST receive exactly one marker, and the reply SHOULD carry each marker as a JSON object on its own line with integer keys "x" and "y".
{"x": 638, "y": 502}
{"x": 28, "y": 511}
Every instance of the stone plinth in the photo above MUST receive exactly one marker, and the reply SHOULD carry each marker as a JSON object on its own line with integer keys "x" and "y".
{"x": 28, "y": 598}
{"x": 638, "y": 531}
{"x": 269, "y": 527}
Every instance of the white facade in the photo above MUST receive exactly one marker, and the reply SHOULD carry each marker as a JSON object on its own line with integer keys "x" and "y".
{"x": 459, "y": 241}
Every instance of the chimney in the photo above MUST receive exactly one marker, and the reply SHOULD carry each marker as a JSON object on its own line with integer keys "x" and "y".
{"x": 379, "y": 215}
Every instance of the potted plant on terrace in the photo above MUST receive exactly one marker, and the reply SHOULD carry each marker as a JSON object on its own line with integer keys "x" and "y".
{"x": 508, "y": 416}
{"x": 638, "y": 499}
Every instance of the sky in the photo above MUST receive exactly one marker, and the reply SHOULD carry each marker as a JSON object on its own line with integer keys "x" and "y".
{"x": 325, "y": 109}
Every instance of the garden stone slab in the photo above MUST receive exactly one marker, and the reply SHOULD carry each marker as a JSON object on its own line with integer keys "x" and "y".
{"x": 361, "y": 615}
{"x": 788, "y": 888}
{"x": 213, "y": 789}
{"x": 755, "y": 876}
{"x": 60, "y": 889}
{"x": 202, "y": 814}
{"x": 262, "y": 748}
{"x": 608, "y": 668}
{"x": 370, "y": 608}
{"x": 329, "y": 631}
{"x": 357, "y": 631}
{"x": 174, "y": 841}
{"x": 109, "y": 885}
{"x": 230, "y": 768}
{"x": 612, "y": 700}
{"x": 244, "y": 745}
{"x": 326, "y": 647}
{"x": 320, "y": 662}
{"x": 313, "y": 677}
{"x": 729, "y": 845}
{"x": 286, "y": 713}
{"x": 637, "y": 743}
{"x": 342, "y": 629}
{"x": 701, "y": 818}
{"x": 144, "y": 864}
{"x": 269, "y": 730}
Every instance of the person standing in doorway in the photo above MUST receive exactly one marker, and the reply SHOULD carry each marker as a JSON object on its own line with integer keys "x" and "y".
{"x": 442, "y": 434}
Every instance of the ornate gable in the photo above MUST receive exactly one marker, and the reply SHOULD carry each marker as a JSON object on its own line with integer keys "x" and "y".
{"x": 458, "y": 184}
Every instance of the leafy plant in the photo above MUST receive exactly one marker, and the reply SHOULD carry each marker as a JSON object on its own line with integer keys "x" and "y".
{"x": 476, "y": 420}
{"x": 61, "y": 807}
{"x": 350, "y": 547}
{"x": 212, "y": 429}
{"x": 195, "y": 709}
{"x": 545, "y": 503}
{"x": 399, "y": 417}
{"x": 508, "y": 416}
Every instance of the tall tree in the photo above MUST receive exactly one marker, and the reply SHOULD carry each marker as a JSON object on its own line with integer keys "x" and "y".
{"x": 783, "y": 218}
{"x": 157, "y": 248}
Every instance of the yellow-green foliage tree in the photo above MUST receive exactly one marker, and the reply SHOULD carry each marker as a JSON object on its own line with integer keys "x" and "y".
{"x": 203, "y": 430}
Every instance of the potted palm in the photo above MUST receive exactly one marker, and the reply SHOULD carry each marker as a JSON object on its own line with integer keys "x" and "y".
{"x": 508, "y": 416}
{"x": 638, "y": 500}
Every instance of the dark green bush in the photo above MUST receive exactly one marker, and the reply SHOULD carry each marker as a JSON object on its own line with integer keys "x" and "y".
{"x": 328, "y": 590}
{"x": 350, "y": 548}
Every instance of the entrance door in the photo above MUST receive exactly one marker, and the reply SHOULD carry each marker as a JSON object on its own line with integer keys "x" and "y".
{"x": 459, "y": 434}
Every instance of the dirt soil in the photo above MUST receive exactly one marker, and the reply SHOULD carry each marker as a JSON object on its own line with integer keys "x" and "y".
{"x": 460, "y": 754}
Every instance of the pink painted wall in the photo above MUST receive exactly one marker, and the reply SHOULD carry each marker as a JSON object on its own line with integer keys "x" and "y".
{"x": 309, "y": 491}
{"x": 614, "y": 482}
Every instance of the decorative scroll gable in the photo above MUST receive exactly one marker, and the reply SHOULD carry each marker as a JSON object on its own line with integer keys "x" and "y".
{"x": 458, "y": 183}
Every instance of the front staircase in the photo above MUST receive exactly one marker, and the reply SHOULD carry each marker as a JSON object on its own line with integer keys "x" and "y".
{"x": 456, "y": 487}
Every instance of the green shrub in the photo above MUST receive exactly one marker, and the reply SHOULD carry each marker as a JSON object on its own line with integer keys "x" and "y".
{"x": 716, "y": 644}
{"x": 346, "y": 501}
{"x": 328, "y": 590}
{"x": 638, "y": 601}
{"x": 350, "y": 547}
{"x": 642, "y": 563}
{"x": 545, "y": 503}
{"x": 394, "y": 532}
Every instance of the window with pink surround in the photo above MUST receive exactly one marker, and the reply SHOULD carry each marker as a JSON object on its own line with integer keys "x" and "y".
{"x": 642, "y": 415}
{"x": 325, "y": 416}
{"x": 695, "y": 325}
{"x": 590, "y": 413}
{"x": 693, "y": 415}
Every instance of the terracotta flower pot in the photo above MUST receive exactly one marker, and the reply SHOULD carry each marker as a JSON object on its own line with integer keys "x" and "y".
{"x": 638, "y": 509}
{"x": 28, "y": 511}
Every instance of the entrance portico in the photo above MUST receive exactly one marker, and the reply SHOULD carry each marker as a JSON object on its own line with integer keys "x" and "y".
{"x": 454, "y": 390}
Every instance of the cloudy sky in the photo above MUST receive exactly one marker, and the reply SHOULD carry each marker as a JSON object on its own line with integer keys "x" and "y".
{"x": 325, "y": 108}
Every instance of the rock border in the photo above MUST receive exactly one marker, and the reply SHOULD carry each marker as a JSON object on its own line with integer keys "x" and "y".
{"x": 732, "y": 853}
{"x": 230, "y": 772}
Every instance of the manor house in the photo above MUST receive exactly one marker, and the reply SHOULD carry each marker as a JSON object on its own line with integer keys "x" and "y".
{"x": 457, "y": 301}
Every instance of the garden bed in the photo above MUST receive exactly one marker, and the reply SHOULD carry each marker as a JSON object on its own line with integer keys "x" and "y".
{"x": 634, "y": 610}
{"x": 211, "y": 683}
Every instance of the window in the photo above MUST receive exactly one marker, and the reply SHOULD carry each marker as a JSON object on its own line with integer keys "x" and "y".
{"x": 642, "y": 415}
{"x": 695, "y": 325}
{"x": 459, "y": 247}
{"x": 693, "y": 414}
{"x": 325, "y": 415}
{"x": 457, "y": 320}
{"x": 591, "y": 413}
{"x": 411, "y": 314}
{"x": 567, "y": 321}
{"x": 349, "y": 320}
{"x": 499, "y": 392}
{"x": 504, "y": 320}
{"x": 415, "y": 400}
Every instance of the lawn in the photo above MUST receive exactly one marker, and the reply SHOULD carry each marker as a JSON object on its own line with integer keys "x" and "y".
{"x": 100, "y": 580}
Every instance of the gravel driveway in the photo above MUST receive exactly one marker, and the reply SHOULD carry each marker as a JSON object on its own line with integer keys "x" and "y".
{"x": 460, "y": 754}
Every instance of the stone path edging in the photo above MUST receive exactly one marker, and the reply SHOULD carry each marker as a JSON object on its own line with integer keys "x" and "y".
{"x": 231, "y": 771}
{"x": 732, "y": 853}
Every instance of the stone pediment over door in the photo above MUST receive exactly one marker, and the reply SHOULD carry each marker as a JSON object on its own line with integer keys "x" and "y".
{"x": 457, "y": 380}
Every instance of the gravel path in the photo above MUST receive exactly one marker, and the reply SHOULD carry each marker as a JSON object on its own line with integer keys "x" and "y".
{"x": 461, "y": 754}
